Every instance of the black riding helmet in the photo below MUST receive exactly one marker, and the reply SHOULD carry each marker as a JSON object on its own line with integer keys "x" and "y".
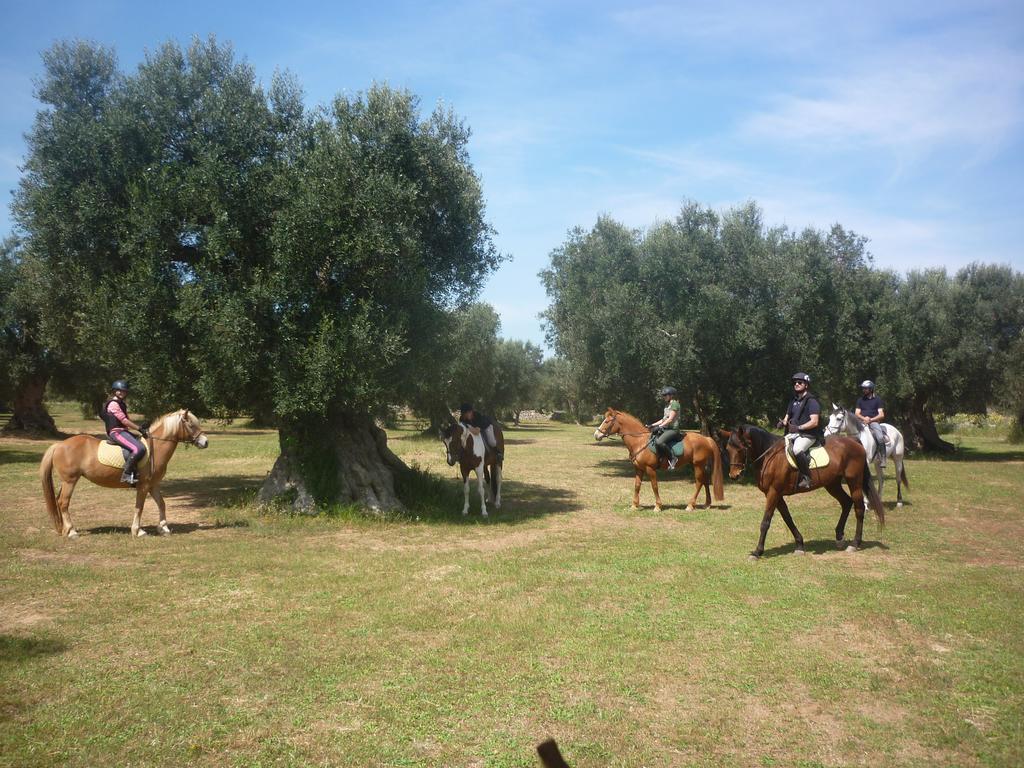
{"x": 802, "y": 377}
{"x": 465, "y": 408}
{"x": 119, "y": 384}
{"x": 668, "y": 391}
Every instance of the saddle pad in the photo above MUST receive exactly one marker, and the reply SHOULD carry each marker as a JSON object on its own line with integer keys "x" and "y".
{"x": 819, "y": 458}
{"x": 676, "y": 448}
{"x": 113, "y": 455}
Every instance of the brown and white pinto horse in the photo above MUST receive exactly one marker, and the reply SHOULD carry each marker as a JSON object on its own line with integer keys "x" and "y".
{"x": 76, "y": 458}
{"x": 776, "y": 478}
{"x": 697, "y": 450}
{"x": 465, "y": 446}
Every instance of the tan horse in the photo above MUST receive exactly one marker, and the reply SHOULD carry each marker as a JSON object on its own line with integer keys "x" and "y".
{"x": 697, "y": 450}
{"x": 76, "y": 458}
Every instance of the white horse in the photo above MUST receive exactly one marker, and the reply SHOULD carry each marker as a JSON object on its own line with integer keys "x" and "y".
{"x": 465, "y": 445}
{"x": 844, "y": 422}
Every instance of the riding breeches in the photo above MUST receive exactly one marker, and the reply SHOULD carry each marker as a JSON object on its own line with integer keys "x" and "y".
{"x": 666, "y": 439}
{"x": 879, "y": 434}
{"x": 800, "y": 443}
{"x": 126, "y": 439}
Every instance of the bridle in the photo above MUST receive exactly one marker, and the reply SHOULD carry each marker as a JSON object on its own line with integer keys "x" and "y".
{"x": 449, "y": 457}
{"x": 193, "y": 438}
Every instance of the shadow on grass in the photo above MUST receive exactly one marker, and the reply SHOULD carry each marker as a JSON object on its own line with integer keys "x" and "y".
{"x": 181, "y": 528}
{"x": 211, "y": 490}
{"x": 967, "y": 453}
{"x": 19, "y": 457}
{"x": 821, "y": 547}
{"x": 434, "y": 499}
{"x": 15, "y": 650}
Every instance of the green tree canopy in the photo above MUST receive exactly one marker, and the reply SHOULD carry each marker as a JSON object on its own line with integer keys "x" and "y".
{"x": 227, "y": 249}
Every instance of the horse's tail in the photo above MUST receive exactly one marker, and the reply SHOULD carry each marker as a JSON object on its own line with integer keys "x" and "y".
{"x": 874, "y": 500}
{"x": 46, "y": 476}
{"x": 717, "y": 479}
{"x": 903, "y": 475}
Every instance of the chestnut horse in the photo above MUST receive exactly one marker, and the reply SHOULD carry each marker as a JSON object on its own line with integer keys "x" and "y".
{"x": 776, "y": 478}
{"x": 76, "y": 458}
{"x": 697, "y": 450}
{"x": 465, "y": 446}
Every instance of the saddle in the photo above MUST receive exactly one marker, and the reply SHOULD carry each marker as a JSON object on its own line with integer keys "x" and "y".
{"x": 819, "y": 457}
{"x": 675, "y": 447}
{"x": 114, "y": 455}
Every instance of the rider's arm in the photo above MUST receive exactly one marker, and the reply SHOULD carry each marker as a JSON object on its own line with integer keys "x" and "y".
{"x": 122, "y": 417}
{"x": 811, "y": 423}
{"x": 881, "y": 416}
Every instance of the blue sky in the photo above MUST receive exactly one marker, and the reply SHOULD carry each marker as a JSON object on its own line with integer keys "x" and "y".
{"x": 903, "y": 121}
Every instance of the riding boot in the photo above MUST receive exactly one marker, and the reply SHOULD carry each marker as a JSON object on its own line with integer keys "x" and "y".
{"x": 803, "y": 462}
{"x": 128, "y": 475}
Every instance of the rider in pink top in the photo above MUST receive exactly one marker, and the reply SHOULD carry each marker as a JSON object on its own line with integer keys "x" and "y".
{"x": 115, "y": 415}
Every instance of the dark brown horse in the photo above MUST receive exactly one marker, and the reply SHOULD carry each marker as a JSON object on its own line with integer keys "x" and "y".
{"x": 465, "y": 446}
{"x": 776, "y": 478}
{"x": 77, "y": 457}
{"x": 697, "y": 450}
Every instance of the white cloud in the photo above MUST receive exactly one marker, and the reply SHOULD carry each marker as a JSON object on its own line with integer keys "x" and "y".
{"x": 911, "y": 103}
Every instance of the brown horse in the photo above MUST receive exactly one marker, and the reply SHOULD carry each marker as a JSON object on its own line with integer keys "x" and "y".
{"x": 697, "y": 450}
{"x": 76, "y": 457}
{"x": 465, "y": 446}
{"x": 776, "y": 478}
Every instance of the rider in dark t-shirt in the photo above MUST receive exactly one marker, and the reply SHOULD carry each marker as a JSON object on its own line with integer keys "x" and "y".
{"x": 871, "y": 411}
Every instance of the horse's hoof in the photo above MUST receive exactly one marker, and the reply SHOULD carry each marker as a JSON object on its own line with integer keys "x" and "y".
{"x": 799, "y": 551}
{"x": 658, "y": 509}
{"x": 840, "y": 543}
{"x": 852, "y": 548}
{"x": 72, "y": 534}
{"x": 165, "y": 530}
{"x": 484, "y": 513}
{"x": 899, "y": 503}
{"x": 691, "y": 508}
{"x": 753, "y": 558}
{"x": 140, "y": 533}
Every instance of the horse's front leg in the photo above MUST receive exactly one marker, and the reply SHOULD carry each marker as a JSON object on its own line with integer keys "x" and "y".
{"x": 845, "y": 502}
{"x": 637, "y": 480}
{"x": 771, "y": 500}
{"x": 496, "y": 480}
{"x": 140, "y": 501}
{"x": 881, "y": 476}
{"x": 652, "y": 475}
{"x": 465, "y": 492}
{"x": 482, "y": 490}
{"x": 158, "y": 497}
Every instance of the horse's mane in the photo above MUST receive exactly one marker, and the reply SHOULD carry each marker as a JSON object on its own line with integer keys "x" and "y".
{"x": 631, "y": 422}
{"x": 170, "y": 423}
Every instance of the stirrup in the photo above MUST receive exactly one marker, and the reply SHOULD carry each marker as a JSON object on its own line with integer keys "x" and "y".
{"x": 672, "y": 461}
{"x": 130, "y": 478}
{"x": 803, "y": 482}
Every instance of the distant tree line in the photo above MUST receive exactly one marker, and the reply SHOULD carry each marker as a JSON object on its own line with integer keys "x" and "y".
{"x": 726, "y": 309}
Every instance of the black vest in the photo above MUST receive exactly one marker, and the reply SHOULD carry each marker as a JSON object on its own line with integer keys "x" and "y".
{"x": 802, "y": 414}
{"x": 109, "y": 419}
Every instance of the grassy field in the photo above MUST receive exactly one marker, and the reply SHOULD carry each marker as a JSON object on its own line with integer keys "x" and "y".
{"x": 633, "y": 637}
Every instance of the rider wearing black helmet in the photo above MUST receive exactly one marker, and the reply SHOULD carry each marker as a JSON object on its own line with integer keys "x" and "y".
{"x": 871, "y": 411}
{"x": 667, "y": 427}
{"x": 803, "y": 426}
{"x": 115, "y": 416}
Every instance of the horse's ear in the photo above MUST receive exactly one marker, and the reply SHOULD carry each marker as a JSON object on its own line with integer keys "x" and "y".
{"x": 835, "y": 407}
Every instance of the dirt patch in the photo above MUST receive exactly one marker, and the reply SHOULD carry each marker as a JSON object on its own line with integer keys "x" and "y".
{"x": 24, "y": 616}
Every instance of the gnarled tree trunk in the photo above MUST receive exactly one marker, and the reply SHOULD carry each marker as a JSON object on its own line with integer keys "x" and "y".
{"x": 924, "y": 435}
{"x": 345, "y": 460}
{"x": 29, "y": 412}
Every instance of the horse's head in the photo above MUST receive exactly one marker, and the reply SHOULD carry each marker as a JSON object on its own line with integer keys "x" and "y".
{"x": 837, "y": 421}
{"x": 184, "y": 427}
{"x": 737, "y": 445}
{"x": 610, "y": 425}
{"x": 451, "y": 436}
